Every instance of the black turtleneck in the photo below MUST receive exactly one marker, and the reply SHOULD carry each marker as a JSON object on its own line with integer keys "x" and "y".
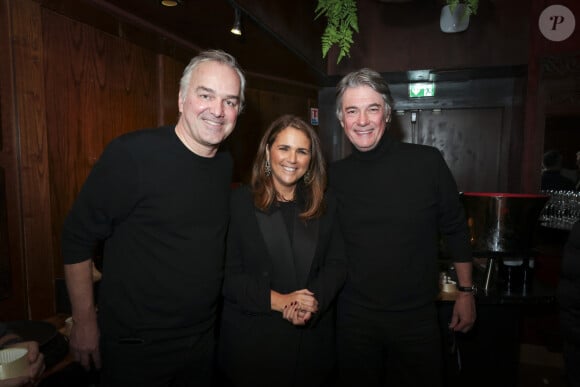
{"x": 394, "y": 202}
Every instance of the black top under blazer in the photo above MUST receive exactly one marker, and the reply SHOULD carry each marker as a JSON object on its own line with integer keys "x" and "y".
{"x": 257, "y": 347}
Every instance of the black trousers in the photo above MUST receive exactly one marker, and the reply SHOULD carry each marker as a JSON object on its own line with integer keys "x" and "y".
{"x": 377, "y": 348}
{"x": 160, "y": 359}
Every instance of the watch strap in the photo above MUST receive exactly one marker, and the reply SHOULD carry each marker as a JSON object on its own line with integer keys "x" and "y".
{"x": 467, "y": 289}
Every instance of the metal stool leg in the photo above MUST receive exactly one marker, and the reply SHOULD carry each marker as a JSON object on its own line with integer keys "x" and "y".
{"x": 488, "y": 273}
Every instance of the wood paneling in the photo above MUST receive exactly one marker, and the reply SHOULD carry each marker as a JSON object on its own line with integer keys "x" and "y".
{"x": 35, "y": 215}
{"x": 5, "y": 272}
{"x": 98, "y": 87}
{"x": 170, "y": 70}
{"x": 13, "y": 304}
{"x": 470, "y": 141}
{"x": 197, "y": 25}
{"x": 563, "y": 133}
{"x": 395, "y": 36}
{"x": 292, "y": 22}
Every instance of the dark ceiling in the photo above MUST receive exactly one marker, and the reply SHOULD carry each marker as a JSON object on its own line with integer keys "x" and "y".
{"x": 280, "y": 38}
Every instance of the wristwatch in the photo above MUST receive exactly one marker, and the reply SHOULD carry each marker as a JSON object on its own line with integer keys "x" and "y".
{"x": 468, "y": 289}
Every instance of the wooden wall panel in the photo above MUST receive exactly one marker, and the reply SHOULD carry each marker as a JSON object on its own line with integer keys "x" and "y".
{"x": 400, "y": 36}
{"x": 563, "y": 133}
{"x": 471, "y": 143}
{"x": 300, "y": 32}
{"x": 97, "y": 87}
{"x": 13, "y": 302}
{"x": 35, "y": 216}
{"x": 169, "y": 89}
{"x": 5, "y": 260}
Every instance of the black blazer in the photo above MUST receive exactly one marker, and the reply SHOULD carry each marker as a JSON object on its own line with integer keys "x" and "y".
{"x": 256, "y": 344}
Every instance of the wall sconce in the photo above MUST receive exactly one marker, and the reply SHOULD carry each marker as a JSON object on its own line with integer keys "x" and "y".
{"x": 170, "y": 3}
{"x": 237, "y": 27}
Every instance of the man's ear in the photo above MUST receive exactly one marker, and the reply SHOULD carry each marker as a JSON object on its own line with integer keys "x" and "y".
{"x": 389, "y": 116}
{"x": 180, "y": 102}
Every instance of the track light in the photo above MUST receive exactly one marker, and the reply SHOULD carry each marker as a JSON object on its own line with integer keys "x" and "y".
{"x": 237, "y": 27}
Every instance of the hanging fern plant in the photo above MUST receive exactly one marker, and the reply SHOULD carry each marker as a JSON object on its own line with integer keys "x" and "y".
{"x": 470, "y": 6}
{"x": 342, "y": 22}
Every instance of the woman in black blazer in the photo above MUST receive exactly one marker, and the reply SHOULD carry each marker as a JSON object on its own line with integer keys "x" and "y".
{"x": 285, "y": 264}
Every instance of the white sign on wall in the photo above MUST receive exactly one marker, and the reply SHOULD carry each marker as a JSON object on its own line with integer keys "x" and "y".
{"x": 314, "y": 116}
{"x": 557, "y": 23}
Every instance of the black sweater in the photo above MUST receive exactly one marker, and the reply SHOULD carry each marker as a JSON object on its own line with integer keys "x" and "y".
{"x": 162, "y": 212}
{"x": 395, "y": 201}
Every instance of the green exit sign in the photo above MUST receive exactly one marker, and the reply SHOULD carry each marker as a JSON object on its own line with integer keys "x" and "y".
{"x": 421, "y": 89}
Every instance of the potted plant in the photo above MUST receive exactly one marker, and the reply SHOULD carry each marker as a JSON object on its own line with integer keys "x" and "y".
{"x": 342, "y": 23}
{"x": 455, "y": 15}
{"x": 467, "y": 7}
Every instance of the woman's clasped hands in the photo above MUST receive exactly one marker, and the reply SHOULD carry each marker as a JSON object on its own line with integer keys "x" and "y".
{"x": 299, "y": 306}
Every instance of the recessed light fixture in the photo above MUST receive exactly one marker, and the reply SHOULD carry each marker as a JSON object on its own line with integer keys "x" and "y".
{"x": 170, "y": 3}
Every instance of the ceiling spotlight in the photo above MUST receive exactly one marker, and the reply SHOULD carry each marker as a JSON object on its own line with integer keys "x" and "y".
{"x": 170, "y": 3}
{"x": 237, "y": 27}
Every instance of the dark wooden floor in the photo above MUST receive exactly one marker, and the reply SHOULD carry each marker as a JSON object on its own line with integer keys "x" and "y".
{"x": 532, "y": 375}
{"x": 540, "y": 366}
